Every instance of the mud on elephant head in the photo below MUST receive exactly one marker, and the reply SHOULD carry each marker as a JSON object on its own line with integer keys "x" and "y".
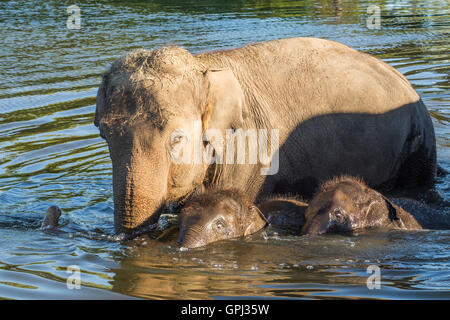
{"x": 143, "y": 101}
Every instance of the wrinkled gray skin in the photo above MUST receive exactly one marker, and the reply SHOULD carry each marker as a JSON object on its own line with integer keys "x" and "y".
{"x": 346, "y": 204}
{"x": 51, "y": 219}
{"x": 216, "y": 215}
{"x": 337, "y": 111}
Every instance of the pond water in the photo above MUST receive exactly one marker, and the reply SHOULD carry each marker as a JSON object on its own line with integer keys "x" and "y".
{"x": 51, "y": 153}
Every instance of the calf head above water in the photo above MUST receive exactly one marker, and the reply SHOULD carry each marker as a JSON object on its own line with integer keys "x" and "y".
{"x": 346, "y": 204}
{"x": 218, "y": 215}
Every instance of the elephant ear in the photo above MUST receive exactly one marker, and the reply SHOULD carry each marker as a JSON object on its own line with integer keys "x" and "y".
{"x": 225, "y": 106}
{"x": 392, "y": 211}
{"x": 254, "y": 221}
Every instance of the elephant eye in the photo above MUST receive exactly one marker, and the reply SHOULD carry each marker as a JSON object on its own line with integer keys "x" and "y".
{"x": 339, "y": 216}
{"x": 177, "y": 139}
{"x": 178, "y": 136}
{"x": 220, "y": 225}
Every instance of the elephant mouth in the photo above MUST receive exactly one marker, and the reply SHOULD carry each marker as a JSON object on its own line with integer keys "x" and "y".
{"x": 192, "y": 238}
{"x": 130, "y": 234}
{"x": 314, "y": 230}
{"x": 317, "y": 228}
{"x": 128, "y": 229}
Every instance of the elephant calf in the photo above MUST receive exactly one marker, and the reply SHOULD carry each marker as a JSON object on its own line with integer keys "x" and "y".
{"x": 342, "y": 204}
{"x": 223, "y": 214}
{"x": 347, "y": 204}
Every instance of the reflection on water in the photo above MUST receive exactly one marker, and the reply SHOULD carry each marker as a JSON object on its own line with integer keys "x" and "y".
{"x": 50, "y": 153}
{"x": 307, "y": 267}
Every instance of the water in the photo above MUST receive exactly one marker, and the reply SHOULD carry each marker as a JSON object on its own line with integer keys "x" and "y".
{"x": 50, "y": 153}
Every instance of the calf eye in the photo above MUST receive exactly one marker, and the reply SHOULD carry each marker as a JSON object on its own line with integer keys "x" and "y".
{"x": 339, "y": 216}
{"x": 219, "y": 225}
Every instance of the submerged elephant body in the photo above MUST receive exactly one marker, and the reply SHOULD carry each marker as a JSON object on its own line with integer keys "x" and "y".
{"x": 335, "y": 110}
{"x": 347, "y": 204}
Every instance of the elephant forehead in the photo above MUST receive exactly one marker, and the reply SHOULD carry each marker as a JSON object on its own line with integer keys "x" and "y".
{"x": 145, "y": 100}
{"x": 198, "y": 219}
{"x": 126, "y": 105}
{"x": 169, "y": 60}
{"x": 206, "y": 213}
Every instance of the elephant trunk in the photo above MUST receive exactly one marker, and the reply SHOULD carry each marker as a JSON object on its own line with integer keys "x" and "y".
{"x": 315, "y": 228}
{"x": 139, "y": 194}
{"x": 191, "y": 239}
{"x": 319, "y": 224}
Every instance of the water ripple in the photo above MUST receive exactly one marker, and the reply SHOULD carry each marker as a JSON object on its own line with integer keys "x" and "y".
{"x": 50, "y": 153}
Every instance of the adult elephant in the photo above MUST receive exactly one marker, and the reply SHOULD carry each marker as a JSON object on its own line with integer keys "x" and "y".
{"x": 337, "y": 111}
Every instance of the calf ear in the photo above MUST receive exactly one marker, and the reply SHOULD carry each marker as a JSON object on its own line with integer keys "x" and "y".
{"x": 256, "y": 221}
{"x": 392, "y": 211}
{"x": 225, "y": 105}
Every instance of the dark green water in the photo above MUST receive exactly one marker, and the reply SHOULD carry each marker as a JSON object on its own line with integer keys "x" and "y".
{"x": 50, "y": 153}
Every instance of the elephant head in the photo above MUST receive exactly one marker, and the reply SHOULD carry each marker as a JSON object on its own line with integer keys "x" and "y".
{"x": 346, "y": 204}
{"x": 216, "y": 215}
{"x": 150, "y": 105}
